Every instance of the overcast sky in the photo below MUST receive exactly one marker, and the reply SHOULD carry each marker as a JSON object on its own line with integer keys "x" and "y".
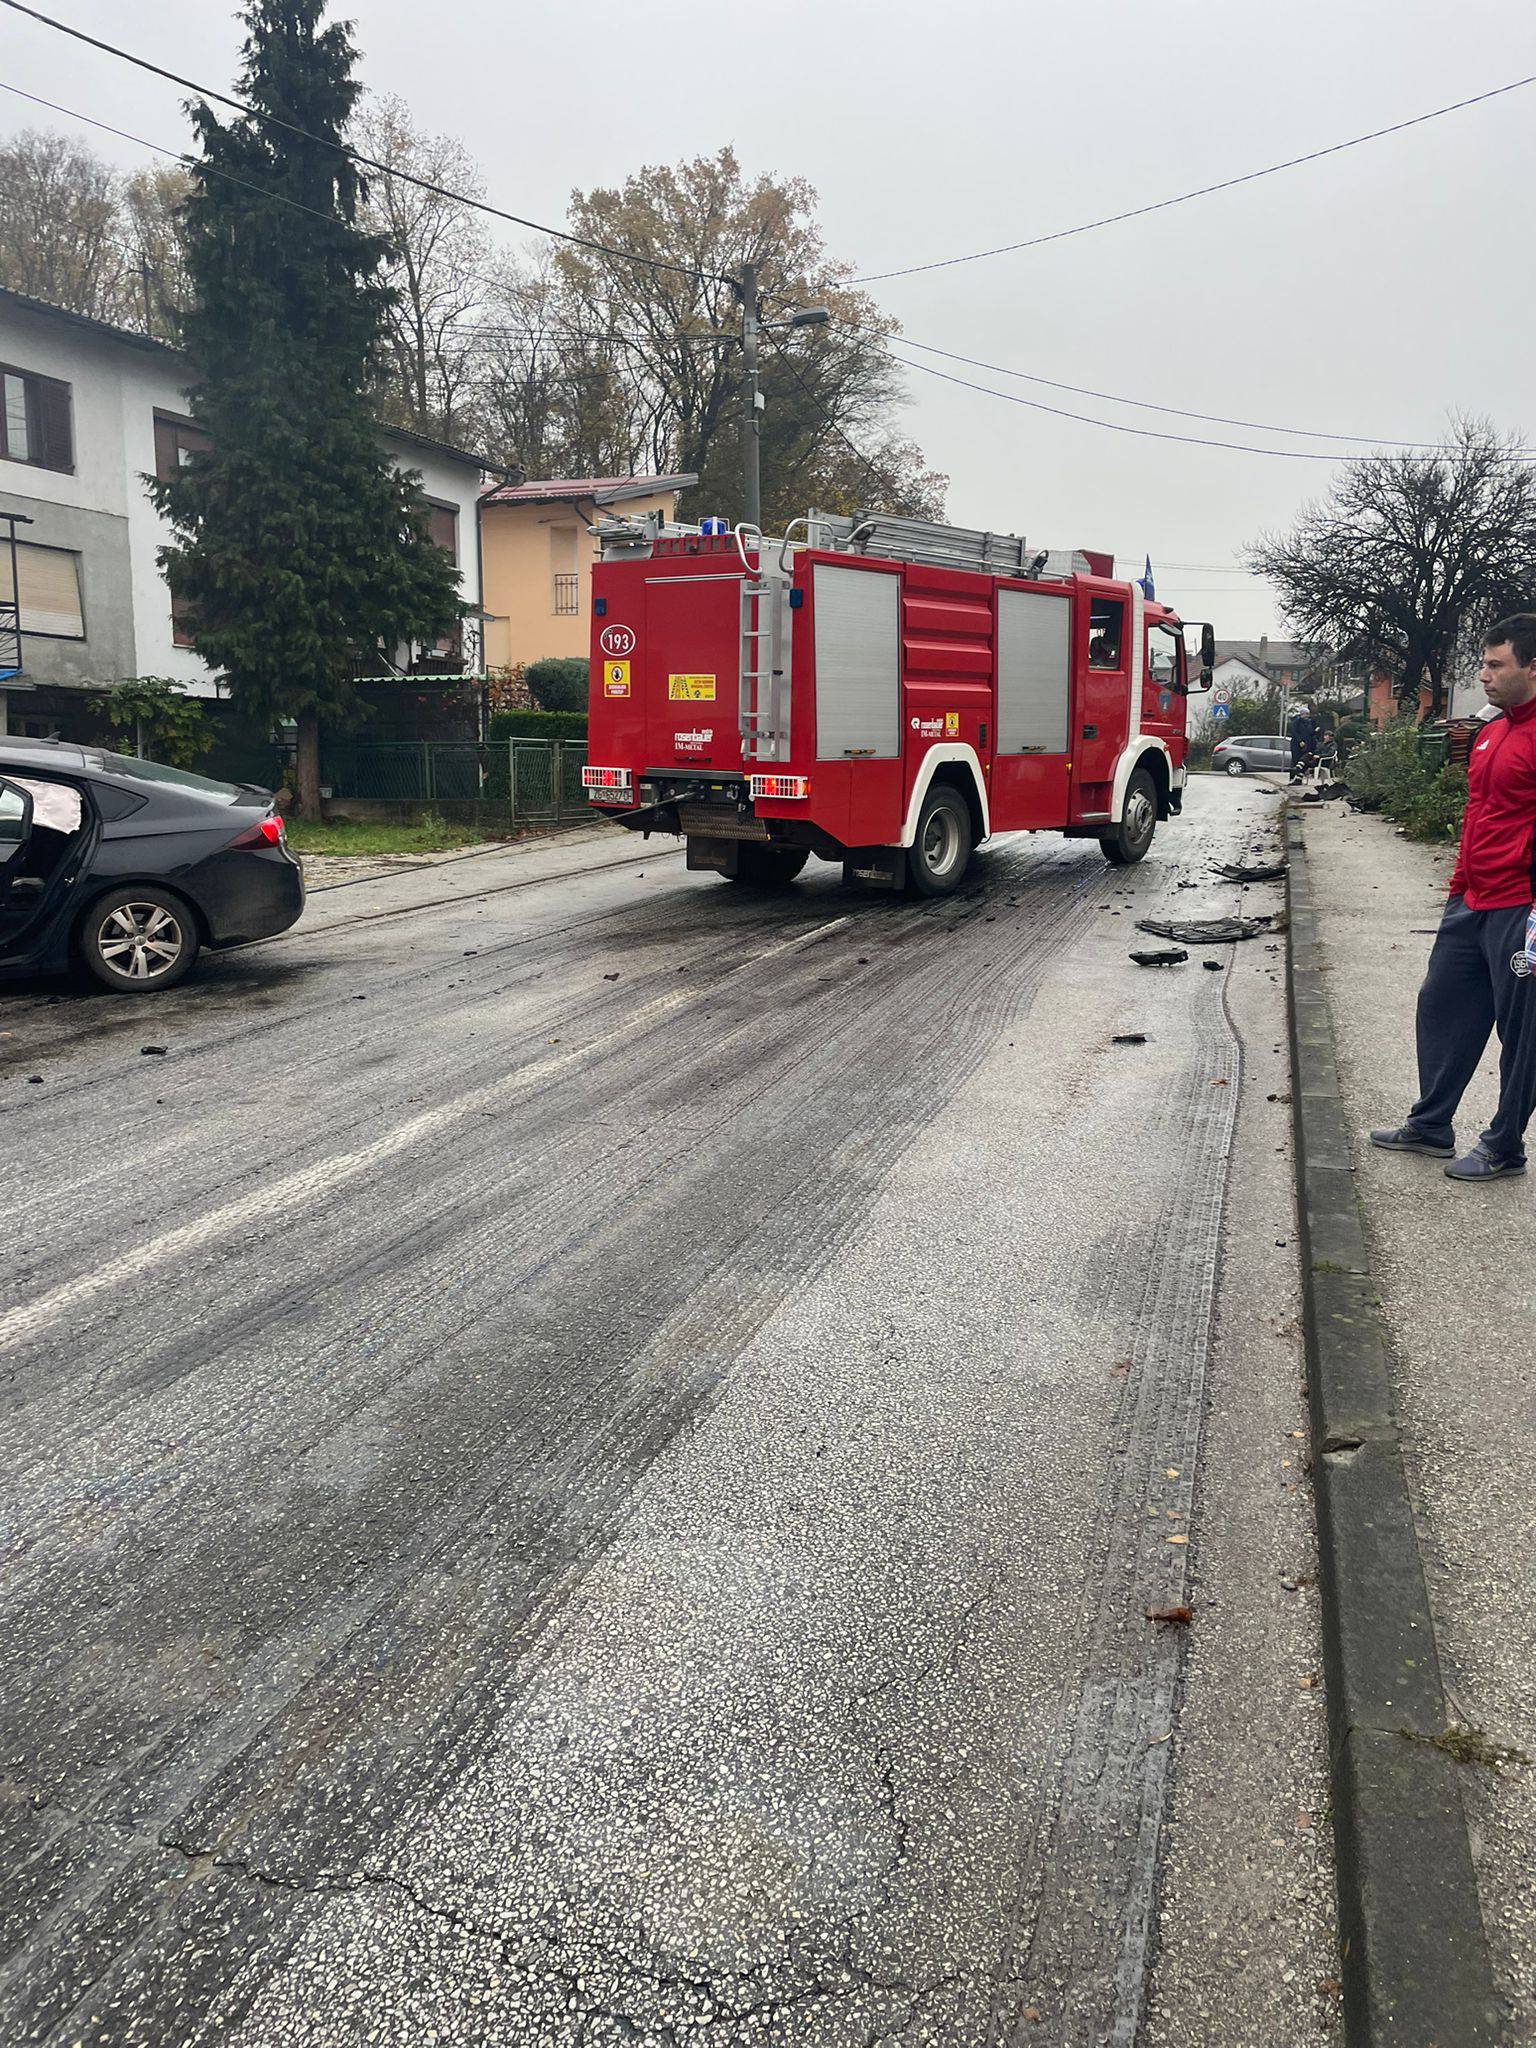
{"x": 1368, "y": 295}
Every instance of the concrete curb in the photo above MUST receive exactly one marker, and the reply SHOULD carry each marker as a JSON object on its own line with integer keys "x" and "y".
{"x": 1416, "y": 1967}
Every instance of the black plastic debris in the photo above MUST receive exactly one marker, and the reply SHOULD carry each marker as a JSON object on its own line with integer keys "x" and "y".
{"x": 1260, "y": 871}
{"x": 1129, "y": 1038}
{"x": 153, "y": 1051}
{"x": 1211, "y": 966}
{"x": 1210, "y": 931}
{"x": 1167, "y": 956}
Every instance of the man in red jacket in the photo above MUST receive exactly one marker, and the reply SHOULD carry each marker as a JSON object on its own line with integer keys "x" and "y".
{"x": 1478, "y": 976}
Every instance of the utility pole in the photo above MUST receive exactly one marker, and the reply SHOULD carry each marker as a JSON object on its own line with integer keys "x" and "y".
{"x": 751, "y": 401}
{"x": 751, "y": 396}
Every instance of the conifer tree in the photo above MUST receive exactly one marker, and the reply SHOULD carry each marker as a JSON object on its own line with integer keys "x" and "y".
{"x": 301, "y": 551}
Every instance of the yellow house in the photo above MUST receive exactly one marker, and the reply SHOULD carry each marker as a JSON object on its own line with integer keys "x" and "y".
{"x": 537, "y": 556}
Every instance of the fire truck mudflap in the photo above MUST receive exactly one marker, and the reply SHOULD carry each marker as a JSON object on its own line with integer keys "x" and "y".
{"x": 885, "y": 694}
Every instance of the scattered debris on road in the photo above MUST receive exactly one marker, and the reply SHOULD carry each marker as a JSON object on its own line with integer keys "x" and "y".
{"x": 155, "y": 1052}
{"x": 1210, "y": 931}
{"x": 1171, "y": 1617}
{"x": 1167, "y": 956}
{"x": 1129, "y": 1038}
{"x": 1261, "y": 871}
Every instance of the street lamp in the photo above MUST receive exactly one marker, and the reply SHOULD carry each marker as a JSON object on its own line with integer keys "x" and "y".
{"x": 751, "y": 394}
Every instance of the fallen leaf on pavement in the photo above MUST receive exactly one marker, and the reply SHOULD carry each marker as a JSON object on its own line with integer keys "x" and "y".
{"x": 1175, "y": 1617}
{"x": 1178, "y": 1539}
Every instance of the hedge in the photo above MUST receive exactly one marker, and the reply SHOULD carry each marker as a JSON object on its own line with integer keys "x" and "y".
{"x": 538, "y": 725}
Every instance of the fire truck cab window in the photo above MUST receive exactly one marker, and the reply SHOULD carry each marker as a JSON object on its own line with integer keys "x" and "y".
{"x": 1106, "y": 632}
{"x": 1162, "y": 658}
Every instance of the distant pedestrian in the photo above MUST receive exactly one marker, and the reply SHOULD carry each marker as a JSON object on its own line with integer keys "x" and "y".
{"x": 1479, "y": 977}
{"x": 1303, "y": 738}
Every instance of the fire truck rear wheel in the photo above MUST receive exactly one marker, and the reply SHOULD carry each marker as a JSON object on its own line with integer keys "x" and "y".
{"x": 1138, "y": 821}
{"x": 941, "y": 852}
{"x": 769, "y": 867}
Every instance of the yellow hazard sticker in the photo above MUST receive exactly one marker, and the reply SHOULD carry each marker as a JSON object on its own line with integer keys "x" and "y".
{"x": 951, "y": 723}
{"x": 615, "y": 678}
{"x": 691, "y": 689}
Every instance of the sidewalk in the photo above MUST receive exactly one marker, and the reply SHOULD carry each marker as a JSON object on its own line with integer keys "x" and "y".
{"x": 1456, "y": 1271}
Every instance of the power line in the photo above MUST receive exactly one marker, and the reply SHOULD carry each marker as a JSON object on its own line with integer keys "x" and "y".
{"x": 160, "y": 149}
{"x": 1148, "y": 405}
{"x": 1153, "y": 433}
{"x": 1108, "y": 220}
{"x": 870, "y": 470}
{"x": 356, "y": 156}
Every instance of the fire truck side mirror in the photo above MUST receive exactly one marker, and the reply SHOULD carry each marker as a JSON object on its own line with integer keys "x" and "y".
{"x": 1207, "y": 655}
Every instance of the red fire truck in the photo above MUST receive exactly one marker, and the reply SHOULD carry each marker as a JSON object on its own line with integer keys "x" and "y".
{"x": 881, "y": 692}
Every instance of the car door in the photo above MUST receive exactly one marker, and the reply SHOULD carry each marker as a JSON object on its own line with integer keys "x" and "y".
{"x": 15, "y": 831}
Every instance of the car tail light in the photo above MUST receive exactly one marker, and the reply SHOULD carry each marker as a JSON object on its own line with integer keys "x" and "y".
{"x": 268, "y": 833}
{"x": 781, "y": 785}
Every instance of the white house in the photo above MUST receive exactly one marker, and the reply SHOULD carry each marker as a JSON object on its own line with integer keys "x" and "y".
{"x": 87, "y": 411}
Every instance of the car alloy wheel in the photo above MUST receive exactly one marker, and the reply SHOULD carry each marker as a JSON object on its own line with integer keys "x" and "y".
{"x": 142, "y": 941}
{"x": 138, "y": 939}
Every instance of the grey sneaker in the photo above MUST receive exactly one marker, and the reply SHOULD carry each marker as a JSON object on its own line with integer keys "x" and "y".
{"x": 1480, "y": 1165}
{"x": 1406, "y": 1139}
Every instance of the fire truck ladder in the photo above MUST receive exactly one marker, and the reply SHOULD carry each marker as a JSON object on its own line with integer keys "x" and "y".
{"x": 763, "y": 714}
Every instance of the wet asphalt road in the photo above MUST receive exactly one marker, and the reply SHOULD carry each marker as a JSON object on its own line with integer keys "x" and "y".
{"x": 586, "y": 1464}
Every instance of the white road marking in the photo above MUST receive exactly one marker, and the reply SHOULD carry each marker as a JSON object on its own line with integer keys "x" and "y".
{"x": 310, "y": 1182}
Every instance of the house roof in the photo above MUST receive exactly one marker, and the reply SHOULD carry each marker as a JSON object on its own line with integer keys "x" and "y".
{"x": 129, "y": 339}
{"x": 1272, "y": 654}
{"x": 602, "y": 490}
{"x": 104, "y": 328}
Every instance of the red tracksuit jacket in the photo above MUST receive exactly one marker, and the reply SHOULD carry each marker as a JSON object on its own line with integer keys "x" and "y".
{"x": 1496, "y": 864}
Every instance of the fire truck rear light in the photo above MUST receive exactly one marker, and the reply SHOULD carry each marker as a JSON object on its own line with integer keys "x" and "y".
{"x": 781, "y": 785}
{"x": 606, "y": 778}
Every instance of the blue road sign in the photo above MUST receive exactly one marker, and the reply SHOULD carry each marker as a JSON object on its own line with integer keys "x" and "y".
{"x": 1221, "y": 711}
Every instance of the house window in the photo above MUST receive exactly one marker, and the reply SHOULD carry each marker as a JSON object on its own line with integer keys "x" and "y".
{"x": 176, "y": 441}
{"x": 564, "y": 589}
{"x": 48, "y": 590}
{"x": 35, "y": 420}
{"x": 443, "y": 525}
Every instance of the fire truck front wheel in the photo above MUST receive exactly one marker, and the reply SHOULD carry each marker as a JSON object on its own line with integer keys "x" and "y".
{"x": 941, "y": 852}
{"x": 1138, "y": 821}
{"x": 769, "y": 867}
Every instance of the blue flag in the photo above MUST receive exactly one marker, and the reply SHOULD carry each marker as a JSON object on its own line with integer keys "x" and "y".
{"x": 1148, "y": 590}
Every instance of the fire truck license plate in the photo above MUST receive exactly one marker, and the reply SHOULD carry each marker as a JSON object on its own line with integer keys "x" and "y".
{"x": 691, "y": 689}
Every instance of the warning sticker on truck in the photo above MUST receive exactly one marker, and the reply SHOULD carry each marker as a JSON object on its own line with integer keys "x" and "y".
{"x": 691, "y": 689}
{"x": 615, "y": 678}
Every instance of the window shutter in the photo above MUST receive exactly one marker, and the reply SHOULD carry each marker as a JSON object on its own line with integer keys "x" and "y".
{"x": 48, "y": 584}
{"x": 444, "y": 528}
{"x": 56, "y": 448}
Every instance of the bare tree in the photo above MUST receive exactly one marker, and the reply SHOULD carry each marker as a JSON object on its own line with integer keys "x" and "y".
{"x": 59, "y": 226}
{"x": 1409, "y": 555}
{"x": 439, "y": 253}
{"x": 672, "y": 331}
{"x": 150, "y": 230}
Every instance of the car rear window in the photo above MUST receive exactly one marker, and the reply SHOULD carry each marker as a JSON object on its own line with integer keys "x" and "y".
{"x": 156, "y": 771}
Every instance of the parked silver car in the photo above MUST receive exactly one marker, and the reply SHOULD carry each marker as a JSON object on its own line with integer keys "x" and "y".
{"x": 1252, "y": 750}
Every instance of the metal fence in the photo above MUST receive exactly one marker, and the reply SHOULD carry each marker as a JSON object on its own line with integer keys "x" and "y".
{"x": 531, "y": 781}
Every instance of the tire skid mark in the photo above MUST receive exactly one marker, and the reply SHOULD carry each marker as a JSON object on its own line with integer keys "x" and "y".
{"x": 721, "y": 1308}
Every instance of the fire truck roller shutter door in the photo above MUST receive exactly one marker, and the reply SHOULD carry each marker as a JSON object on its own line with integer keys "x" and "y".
{"x": 858, "y": 663}
{"x": 1034, "y": 672}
